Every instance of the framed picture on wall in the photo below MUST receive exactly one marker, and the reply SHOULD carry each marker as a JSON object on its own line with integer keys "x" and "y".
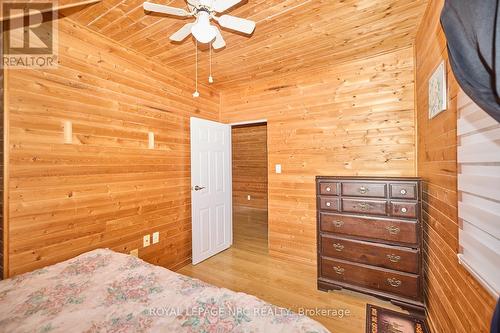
{"x": 438, "y": 91}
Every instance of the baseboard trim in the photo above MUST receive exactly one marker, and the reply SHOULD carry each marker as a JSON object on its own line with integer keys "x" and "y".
{"x": 181, "y": 264}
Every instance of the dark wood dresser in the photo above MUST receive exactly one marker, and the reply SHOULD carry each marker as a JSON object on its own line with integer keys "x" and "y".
{"x": 370, "y": 237}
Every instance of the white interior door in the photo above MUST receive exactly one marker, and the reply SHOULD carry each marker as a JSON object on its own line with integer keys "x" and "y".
{"x": 211, "y": 188}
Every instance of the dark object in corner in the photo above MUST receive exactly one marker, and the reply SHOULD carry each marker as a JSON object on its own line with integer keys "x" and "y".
{"x": 472, "y": 29}
{"x": 495, "y": 322}
{"x": 383, "y": 320}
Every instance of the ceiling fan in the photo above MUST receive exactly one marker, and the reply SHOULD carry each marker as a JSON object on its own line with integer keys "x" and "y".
{"x": 204, "y": 11}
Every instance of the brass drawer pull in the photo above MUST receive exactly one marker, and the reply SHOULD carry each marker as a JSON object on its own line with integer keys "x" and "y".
{"x": 393, "y": 257}
{"x": 363, "y": 190}
{"x": 339, "y": 270}
{"x": 338, "y": 247}
{"x": 403, "y": 192}
{"x": 393, "y": 230}
{"x": 328, "y": 204}
{"x": 328, "y": 189}
{"x": 393, "y": 282}
{"x": 338, "y": 224}
{"x": 364, "y": 206}
{"x": 404, "y": 210}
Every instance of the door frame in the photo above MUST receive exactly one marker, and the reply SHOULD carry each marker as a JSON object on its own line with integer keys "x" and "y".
{"x": 250, "y": 123}
{"x": 231, "y": 125}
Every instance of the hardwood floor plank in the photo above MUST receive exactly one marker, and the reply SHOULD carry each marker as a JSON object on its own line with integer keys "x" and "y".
{"x": 247, "y": 267}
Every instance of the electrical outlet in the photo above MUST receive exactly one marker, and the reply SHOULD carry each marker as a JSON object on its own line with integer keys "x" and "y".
{"x": 135, "y": 253}
{"x": 249, "y": 197}
{"x": 146, "y": 241}
{"x": 156, "y": 237}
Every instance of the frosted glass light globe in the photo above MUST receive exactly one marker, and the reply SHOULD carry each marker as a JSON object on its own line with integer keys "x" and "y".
{"x": 202, "y": 30}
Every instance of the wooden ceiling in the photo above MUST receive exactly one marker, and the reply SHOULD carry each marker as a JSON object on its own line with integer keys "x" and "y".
{"x": 291, "y": 35}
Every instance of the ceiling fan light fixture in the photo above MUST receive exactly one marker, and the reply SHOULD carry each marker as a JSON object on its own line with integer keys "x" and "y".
{"x": 202, "y": 30}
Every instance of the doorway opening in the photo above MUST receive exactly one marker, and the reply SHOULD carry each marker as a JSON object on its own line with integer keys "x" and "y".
{"x": 250, "y": 187}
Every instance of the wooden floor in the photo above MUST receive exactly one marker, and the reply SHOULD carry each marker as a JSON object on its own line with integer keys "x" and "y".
{"x": 246, "y": 267}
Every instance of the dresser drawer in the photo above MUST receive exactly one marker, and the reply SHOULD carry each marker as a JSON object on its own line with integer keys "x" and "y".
{"x": 392, "y": 257}
{"x": 402, "y": 284}
{"x": 371, "y": 207}
{"x": 403, "y": 191}
{"x": 329, "y": 188}
{"x": 404, "y": 232}
{"x": 404, "y": 209}
{"x": 329, "y": 203}
{"x": 368, "y": 190}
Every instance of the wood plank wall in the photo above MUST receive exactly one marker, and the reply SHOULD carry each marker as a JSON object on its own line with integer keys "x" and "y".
{"x": 107, "y": 189}
{"x": 455, "y": 301}
{"x": 250, "y": 166}
{"x": 355, "y": 118}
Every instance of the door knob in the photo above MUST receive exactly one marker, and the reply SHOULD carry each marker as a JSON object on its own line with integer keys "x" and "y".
{"x": 198, "y": 188}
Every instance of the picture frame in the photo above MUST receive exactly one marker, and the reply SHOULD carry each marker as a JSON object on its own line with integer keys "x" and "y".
{"x": 438, "y": 91}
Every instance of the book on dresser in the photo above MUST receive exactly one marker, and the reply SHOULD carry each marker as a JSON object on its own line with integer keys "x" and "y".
{"x": 370, "y": 237}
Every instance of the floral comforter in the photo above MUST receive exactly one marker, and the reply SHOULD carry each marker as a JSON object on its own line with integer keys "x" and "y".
{"x": 105, "y": 291}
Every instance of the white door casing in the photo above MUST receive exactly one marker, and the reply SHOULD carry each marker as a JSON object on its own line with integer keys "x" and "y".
{"x": 211, "y": 188}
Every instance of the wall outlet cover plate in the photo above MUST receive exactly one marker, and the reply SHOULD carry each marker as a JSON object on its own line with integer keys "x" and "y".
{"x": 156, "y": 237}
{"x": 146, "y": 241}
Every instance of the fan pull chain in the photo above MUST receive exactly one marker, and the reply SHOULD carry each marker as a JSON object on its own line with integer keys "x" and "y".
{"x": 210, "y": 77}
{"x": 196, "y": 93}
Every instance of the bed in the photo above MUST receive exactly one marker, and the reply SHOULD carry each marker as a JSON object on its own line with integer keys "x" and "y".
{"x": 105, "y": 291}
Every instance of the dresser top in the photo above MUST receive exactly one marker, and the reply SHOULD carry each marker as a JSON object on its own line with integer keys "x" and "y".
{"x": 367, "y": 178}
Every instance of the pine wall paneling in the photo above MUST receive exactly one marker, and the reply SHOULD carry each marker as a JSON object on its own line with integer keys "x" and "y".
{"x": 58, "y": 5}
{"x": 107, "y": 189}
{"x": 455, "y": 300}
{"x": 249, "y": 145}
{"x": 354, "y": 118}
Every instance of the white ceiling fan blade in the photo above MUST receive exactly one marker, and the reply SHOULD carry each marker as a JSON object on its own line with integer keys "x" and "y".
{"x": 153, "y": 7}
{"x": 182, "y": 33}
{"x": 236, "y": 23}
{"x": 222, "y": 5}
{"x": 219, "y": 42}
